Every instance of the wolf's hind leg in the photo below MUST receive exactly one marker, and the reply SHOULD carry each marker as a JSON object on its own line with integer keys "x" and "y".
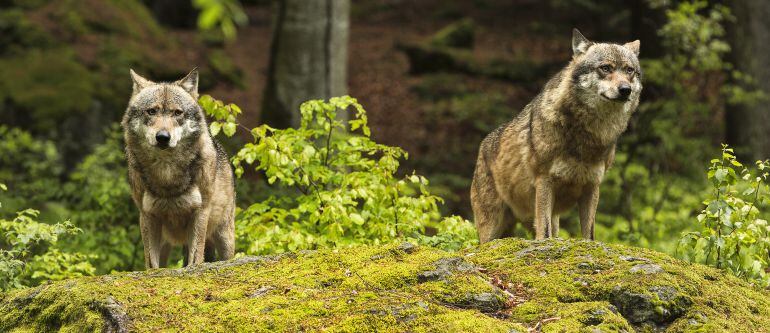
{"x": 208, "y": 252}
{"x": 223, "y": 240}
{"x": 165, "y": 250}
{"x": 555, "y": 225}
{"x": 489, "y": 210}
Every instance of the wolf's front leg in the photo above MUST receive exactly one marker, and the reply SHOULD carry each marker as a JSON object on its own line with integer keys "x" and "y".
{"x": 151, "y": 239}
{"x": 196, "y": 237}
{"x": 543, "y": 208}
{"x": 587, "y": 206}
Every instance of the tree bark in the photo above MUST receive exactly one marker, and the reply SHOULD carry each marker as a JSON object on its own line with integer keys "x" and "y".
{"x": 308, "y": 58}
{"x": 748, "y": 126}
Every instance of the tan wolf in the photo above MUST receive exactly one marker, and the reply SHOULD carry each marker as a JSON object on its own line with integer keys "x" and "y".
{"x": 180, "y": 177}
{"x": 555, "y": 152}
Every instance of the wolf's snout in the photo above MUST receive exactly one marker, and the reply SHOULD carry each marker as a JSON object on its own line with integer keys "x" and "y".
{"x": 624, "y": 90}
{"x": 163, "y": 138}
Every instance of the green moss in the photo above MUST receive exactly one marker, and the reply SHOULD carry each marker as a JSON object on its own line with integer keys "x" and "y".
{"x": 555, "y": 285}
{"x": 562, "y": 276}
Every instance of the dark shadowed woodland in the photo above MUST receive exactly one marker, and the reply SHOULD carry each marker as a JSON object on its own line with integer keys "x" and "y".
{"x": 353, "y": 127}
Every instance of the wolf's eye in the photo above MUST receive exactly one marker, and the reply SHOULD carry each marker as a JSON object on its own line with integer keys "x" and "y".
{"x": 152, "y": 111}
{"x": 178, "y": 113}
{"x": 606, "y": 68}
{"x": 629, "y": 70}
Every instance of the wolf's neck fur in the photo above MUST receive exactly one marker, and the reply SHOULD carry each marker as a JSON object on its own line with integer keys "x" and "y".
{"x": 170, "y": 172}
{"x": 572, "y": 108}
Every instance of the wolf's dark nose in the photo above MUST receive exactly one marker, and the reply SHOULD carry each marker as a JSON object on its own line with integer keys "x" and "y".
{"x": 163, "y": 137}
{"x": 624, "y": 90}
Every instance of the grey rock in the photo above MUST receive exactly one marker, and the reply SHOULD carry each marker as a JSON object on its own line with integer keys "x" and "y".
{"x": 646, "y": 269}
{"x": 115, "y": 318}
{"x": 445, "y": 268}
{"x": 660, "y": 305}
{"x": 407, "y": 247}
{"x": 632, "y": 259}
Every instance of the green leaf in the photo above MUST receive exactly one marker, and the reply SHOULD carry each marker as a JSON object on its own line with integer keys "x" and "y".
{"x": 214, "y": 128}
{"x": 229, "y": 129}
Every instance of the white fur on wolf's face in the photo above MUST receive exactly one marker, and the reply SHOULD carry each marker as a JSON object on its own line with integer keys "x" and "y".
{"x": 165, "y": 107}
{"x": 600, "y": 72}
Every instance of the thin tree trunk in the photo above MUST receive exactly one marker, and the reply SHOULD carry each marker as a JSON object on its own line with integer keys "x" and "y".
{"x": 748, "y": 126}
{"x": 308, "y": 58}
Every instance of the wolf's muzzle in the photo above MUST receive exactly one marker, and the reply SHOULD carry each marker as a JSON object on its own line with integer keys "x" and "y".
{"x": 163, "y": 138}
{"x": 624, "y": 91}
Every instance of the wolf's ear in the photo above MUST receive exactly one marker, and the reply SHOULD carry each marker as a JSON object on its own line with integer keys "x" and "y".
{"x": 190, "y": 83}
{"x": 139, "y": 82}
{"x": 580, "y": 43}
{"x": 633, "y": 46}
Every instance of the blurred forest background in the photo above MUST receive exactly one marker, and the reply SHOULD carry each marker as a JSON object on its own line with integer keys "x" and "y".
{"x": 434, "y": 76}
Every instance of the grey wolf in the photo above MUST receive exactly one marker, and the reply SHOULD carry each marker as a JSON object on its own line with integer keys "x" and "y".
{"x": 180, "y": 177}
{"x": 554, "y": 153}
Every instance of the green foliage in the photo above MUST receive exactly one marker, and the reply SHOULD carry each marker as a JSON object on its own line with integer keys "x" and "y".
{"x": 30, "y": 167}
{"x": 29, "y": 253}
{"x": 99, "y": 199}
{"x": 733, "y": 235}
{"x": 18, "y": 33}
{"x": 652, "y": 193}
{"x": 225, "y": 14}
{"x": 42, "y": 84}
{"x": 346, "y": 191}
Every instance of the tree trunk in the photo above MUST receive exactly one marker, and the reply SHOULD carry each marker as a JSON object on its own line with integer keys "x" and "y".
{"x": 748, "y": 126}
{"x": 308, "y": 58}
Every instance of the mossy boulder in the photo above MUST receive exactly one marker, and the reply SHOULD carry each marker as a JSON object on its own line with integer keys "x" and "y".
{"x": 509, "y": 285}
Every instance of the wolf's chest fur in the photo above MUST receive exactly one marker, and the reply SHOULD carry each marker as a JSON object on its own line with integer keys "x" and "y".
{"x": 167, "y": 174}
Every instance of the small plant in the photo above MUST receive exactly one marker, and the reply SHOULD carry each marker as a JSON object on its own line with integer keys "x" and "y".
{"x": 346, "y": 191}
{"x": 733, "y": 237}
{"x": 29, "y": 253}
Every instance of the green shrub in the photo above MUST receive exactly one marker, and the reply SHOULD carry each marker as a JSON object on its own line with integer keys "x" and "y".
{"x": 30, "y": 167}
{"x": 733, "y": 235}
{"x": 345, "y": 188}
{"x": 29, "y": 253}
{"x": 652, "y": 193}
{"x": 99, "y": 199}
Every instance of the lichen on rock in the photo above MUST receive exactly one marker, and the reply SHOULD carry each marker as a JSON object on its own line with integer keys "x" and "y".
{"x": 508, "y": 285}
